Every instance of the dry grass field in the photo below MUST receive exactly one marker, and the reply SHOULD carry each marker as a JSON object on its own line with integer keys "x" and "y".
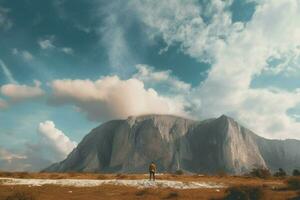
{"x": 269, "y": 188}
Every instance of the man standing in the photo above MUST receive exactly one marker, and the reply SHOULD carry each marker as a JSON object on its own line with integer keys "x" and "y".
{"x": 152, "y": 170}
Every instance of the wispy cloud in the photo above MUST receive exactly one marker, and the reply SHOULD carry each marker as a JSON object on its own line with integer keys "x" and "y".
{"x": 164, "y": 80}
{"x": 48, "y": 43}
{"x": 7, "y": 73}
{"x": 5, "y": 22}
{"x": 26, "y": 55}
{"x": 113, "y": 37}
{"x": 67, "y": 50}
{"x": 9, "y": 156}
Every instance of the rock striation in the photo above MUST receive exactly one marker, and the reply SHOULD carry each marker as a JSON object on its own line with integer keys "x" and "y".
{"x": 173, "y": 143}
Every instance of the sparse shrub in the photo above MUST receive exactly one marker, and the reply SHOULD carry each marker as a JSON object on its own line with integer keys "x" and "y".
{"x": 244, "y": 193}
{"x": 260, "y": 173}
{"x": 172, "y": 195}
{"x": 293, "y": 183}
{"x": 179, "y": 172}
{"x": 296, "y": 172}
{"x": 280, "y": 173}
{"x": 19, "y": 195}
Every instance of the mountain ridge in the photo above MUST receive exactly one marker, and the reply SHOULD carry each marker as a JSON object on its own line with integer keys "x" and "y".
{"x": 207, "y": 146}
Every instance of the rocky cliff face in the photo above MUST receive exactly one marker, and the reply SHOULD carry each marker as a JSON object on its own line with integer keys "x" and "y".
{"x": 173, "y": 143}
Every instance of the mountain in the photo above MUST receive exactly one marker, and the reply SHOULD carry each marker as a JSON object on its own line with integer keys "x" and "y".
{"x": 173, "y": 143}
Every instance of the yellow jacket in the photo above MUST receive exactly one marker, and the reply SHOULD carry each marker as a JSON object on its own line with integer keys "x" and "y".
{"x": 152, "y": 167}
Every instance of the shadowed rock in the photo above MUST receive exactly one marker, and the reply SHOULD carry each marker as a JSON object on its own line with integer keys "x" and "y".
{"x": 174, "y": 143}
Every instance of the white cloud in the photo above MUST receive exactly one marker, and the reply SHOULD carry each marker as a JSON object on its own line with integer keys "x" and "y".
{"x": 26, "y": 55}
{"x": 5, "y": 22}
{"x": 160, "y": 79}
{"x": 51, "y": 145}
{"x": 18, "y": 92}
{"x": 7, "y": 72}
{"x": 111, "y": 98}
{"x": 9, "y": 156}
{"x": 237, "y": 52}
{"x": 244, "y": 55}
{"x": 24, "y": 140}
{"x": 67, "y": 50}
{"x": 10, "y": 161}
{"x": 28, "y": 160}
{"x": 181, "y": 21}
{"x": 47, "y": 43}
{"x": 113, "y": 35}
{"x": 55, "y": 140}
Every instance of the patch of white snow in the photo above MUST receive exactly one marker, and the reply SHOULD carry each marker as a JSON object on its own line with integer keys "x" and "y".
{"x": 143, "y": 183}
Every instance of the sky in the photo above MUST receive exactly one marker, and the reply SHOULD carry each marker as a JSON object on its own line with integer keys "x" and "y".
{"x": 67, "y": 66}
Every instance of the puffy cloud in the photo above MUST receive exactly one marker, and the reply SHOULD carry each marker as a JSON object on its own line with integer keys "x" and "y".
{"x": 5, "y": 22}
{"x": 55, "y": 140}
{"x": 183, "y": 22}
{"x": 268, "y": 108}
{"x": 52, "y": 145}
{"x": 160, "y": 79}
{"x": 18, "y": 92}
{"x": 238, "y": 52}
{"x": 110, "y": 98}
{"x": 245, "y": 55}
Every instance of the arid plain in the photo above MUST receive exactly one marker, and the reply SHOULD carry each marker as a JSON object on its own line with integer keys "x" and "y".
{"x": 268, "y": 188}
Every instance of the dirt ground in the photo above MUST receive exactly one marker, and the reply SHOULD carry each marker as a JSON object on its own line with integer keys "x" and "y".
{"x": 273, "y": 188}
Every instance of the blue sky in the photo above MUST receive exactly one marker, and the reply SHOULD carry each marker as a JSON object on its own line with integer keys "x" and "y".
{"x": 66, "y": 66}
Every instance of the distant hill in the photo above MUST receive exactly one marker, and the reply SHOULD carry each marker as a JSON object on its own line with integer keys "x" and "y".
{"x": 208, "y": 146}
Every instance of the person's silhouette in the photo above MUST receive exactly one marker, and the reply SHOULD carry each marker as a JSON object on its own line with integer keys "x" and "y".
{"x": 152, "y": 170}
